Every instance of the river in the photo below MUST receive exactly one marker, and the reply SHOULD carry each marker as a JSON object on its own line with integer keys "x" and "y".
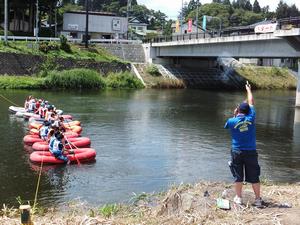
{"x": 146, "y": 141}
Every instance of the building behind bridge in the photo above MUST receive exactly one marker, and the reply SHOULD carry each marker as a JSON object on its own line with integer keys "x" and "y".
{"x": 102, "y": 25}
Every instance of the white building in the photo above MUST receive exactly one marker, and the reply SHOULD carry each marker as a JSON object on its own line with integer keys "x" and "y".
{"x": 137, "y": 26}
{"x": 101, "y": 25}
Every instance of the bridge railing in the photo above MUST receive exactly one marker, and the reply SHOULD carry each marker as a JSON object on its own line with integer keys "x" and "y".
{"x": 230, "y": 31}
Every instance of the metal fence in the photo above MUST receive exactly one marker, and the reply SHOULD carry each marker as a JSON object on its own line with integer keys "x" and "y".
{"x": 73, "y": 40}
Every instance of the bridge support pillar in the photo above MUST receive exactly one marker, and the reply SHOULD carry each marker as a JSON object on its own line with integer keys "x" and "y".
{"x": 298, "y": 86}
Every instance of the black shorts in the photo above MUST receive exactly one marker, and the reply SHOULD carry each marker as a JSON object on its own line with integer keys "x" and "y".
{"x": 245, "y": 161}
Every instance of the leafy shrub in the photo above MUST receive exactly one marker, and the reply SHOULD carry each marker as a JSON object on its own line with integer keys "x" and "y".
{"x": 123, "y": 80}
{"x": 47, "y": 66}
{"x": 64, "y": 44}
{"x": 48, "y": 46}
{"x": 153, "y": 70}
{"x": 74, "y": 79}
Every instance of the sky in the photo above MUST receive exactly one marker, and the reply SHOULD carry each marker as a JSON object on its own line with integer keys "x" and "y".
{"x": 172, "y": 7}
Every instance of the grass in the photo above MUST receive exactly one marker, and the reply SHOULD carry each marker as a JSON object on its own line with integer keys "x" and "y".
{"x": 20, "y": 82}
{"x": 123, "y": 80}
{"x": 268, "y": 77}
{"x": 156, "y": 80}
{"x": 109, "y": 210}
{"x": 94, "y": 53}
{"x": 183, "y": 204}
{"x": 162, "y": 82}
{"x": 72, "y": 79}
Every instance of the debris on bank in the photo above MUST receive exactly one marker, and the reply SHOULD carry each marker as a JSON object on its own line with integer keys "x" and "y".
{"x": 184, "y": 204}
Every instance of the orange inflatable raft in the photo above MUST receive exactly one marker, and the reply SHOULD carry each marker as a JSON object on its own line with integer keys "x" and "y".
{"x": 81, "y": 155}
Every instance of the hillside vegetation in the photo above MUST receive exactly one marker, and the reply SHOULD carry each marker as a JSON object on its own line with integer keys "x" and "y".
{"x": 53, "y": 49}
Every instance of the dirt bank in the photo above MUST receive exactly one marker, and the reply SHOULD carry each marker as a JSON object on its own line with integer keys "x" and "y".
{"x": 186, "y": 204}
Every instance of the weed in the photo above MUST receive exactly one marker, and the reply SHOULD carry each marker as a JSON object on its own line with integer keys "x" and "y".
{"x": 109, "y": 210}
{"x": 153, "y": 70}
{"x": 8, "y": 211}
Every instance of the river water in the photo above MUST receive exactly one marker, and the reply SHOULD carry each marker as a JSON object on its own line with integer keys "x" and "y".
{"x": 146, "y": 141}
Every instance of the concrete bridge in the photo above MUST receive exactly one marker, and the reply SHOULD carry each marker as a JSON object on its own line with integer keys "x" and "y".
{"x": 280, "y": 44}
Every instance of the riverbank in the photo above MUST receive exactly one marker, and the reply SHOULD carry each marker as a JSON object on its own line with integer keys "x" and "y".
{"x": 72, "y": 79}
{"x": 268, "y": 77}
{"x": 184, "y": 204}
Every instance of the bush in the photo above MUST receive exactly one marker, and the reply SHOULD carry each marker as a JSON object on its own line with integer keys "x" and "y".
{"x": 123, "y": 80}
{"x": 47, "y": 66}
{"x": 153, "y": 70}
{"x": 74, "y": 79}
{"x": 64, "y": 44}
{"x": 48, "y": 46}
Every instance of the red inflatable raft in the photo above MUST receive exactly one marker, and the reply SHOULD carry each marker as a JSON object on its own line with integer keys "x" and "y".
{"x": 79, "y": 142}
{"x": 32, "y": 138}
{"x": 81, "y": 154}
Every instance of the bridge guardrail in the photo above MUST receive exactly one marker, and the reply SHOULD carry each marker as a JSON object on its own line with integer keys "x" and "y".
{"x": 230, "y": 31}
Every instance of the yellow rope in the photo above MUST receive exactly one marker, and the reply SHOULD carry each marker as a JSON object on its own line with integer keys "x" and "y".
{"x": 38, "y": 183}
{"x": 9, "y": 101}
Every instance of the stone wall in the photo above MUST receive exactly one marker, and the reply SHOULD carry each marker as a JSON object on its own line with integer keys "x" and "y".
{"x": 129, "y": 52}
{"x": 24, "y": 64}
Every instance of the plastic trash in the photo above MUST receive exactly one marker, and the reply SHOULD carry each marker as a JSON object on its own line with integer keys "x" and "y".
{"x": 223, "y": 203}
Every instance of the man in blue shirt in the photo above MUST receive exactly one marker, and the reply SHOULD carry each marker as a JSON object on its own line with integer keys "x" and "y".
{"x": 244, "y": 164}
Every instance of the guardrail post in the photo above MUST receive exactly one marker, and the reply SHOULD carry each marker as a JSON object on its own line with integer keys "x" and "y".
{"x": 298, "y": 86}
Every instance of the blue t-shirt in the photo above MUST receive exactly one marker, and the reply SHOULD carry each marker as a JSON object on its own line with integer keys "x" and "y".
{"x": 243, "y": 132}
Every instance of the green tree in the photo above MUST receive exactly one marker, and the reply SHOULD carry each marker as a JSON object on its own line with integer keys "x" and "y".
{"x": 282, "y": 10}
{"x": 216, "y": 10}
{"x": 226, "y": 2}
{"x": 248, "y": 6}
{"x": 293, "y": 11}
{"x": 256, "y": 7}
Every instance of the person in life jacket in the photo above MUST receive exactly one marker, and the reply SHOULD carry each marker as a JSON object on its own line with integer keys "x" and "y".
{"x": 48, "y": 113}
{"x": 56, "y": 147}
{"x": 44, "y": 130}
{"x": 31, "y": 106}
{"x": 42, "y": 110}
{"x": 26, "y": 104}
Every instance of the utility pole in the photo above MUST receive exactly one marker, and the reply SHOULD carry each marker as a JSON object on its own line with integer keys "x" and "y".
{"x": 127, "y": 15}
{"x": 37, "y": 21}
{"x": 5, "y": 21}
{"x": 86, "y": 23}
{"x": 197, "y": 15}
{"x": 181, "y": 17}
{"x": 55, "y": 18}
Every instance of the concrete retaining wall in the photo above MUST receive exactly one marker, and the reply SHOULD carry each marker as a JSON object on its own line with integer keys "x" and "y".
{"x": 23, "y": 64}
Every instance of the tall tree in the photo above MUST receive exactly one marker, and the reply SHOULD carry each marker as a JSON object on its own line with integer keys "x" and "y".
{"x": 282, "y": 10}
{"x": 293, "y": 10}
{"x": 248, "y": 6}
{"x": 256, "y": 7}
{"x": 226, "y": 2}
